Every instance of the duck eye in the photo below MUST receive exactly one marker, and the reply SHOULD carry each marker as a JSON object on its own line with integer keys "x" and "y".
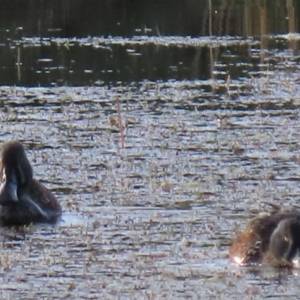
{"x": 286, "y": 239}
{"x": 257, "y": 244}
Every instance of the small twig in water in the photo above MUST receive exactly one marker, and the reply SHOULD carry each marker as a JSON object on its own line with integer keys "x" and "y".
{"x": 120, "y": 123}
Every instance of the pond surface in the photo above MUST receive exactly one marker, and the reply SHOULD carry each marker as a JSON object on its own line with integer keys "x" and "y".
{"x": 159, "y": 147}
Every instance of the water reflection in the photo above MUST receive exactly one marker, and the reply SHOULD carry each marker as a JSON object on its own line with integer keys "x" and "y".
{"x": 50, "y": 47}
{"x": 150, "y": 17}
{"x": 63, "y": 62}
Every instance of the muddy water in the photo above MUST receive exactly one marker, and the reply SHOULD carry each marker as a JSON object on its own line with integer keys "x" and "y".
{"x": 150, "y": 207}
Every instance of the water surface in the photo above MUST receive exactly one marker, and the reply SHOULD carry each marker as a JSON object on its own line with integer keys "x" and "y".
{"x": 160, "y": 142}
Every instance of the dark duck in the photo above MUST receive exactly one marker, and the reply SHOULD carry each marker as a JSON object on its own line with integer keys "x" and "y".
{"x": 23, "y": 199}
{"x": 270, "y": 238}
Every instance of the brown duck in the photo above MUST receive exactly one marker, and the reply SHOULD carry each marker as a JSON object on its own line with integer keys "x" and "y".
{"x": 270, "y": 238}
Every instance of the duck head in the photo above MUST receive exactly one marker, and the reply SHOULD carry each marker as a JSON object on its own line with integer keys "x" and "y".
{"x": 285, "y": 240}
{"x": 15, "y": 171}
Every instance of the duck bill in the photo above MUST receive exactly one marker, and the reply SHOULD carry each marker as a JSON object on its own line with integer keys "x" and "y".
{"x": 8, "y": 193}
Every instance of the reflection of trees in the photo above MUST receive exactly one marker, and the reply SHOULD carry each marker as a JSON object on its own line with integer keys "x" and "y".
{"x": 74, "y": 64}
{"x": 131, "y": 17}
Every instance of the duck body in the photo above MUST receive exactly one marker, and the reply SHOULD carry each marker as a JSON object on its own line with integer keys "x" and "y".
{"x": 23, "y": 199}
{"x": 270, "y": 238}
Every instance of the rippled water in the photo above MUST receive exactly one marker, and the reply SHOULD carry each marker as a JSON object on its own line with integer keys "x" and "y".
{"x": 154, "y": 179}
{"x": 161, "y": 130}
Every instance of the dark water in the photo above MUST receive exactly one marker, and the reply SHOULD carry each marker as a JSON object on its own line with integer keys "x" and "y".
{"x": 160, "y": 134}
{"x": 103, "y": 42}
